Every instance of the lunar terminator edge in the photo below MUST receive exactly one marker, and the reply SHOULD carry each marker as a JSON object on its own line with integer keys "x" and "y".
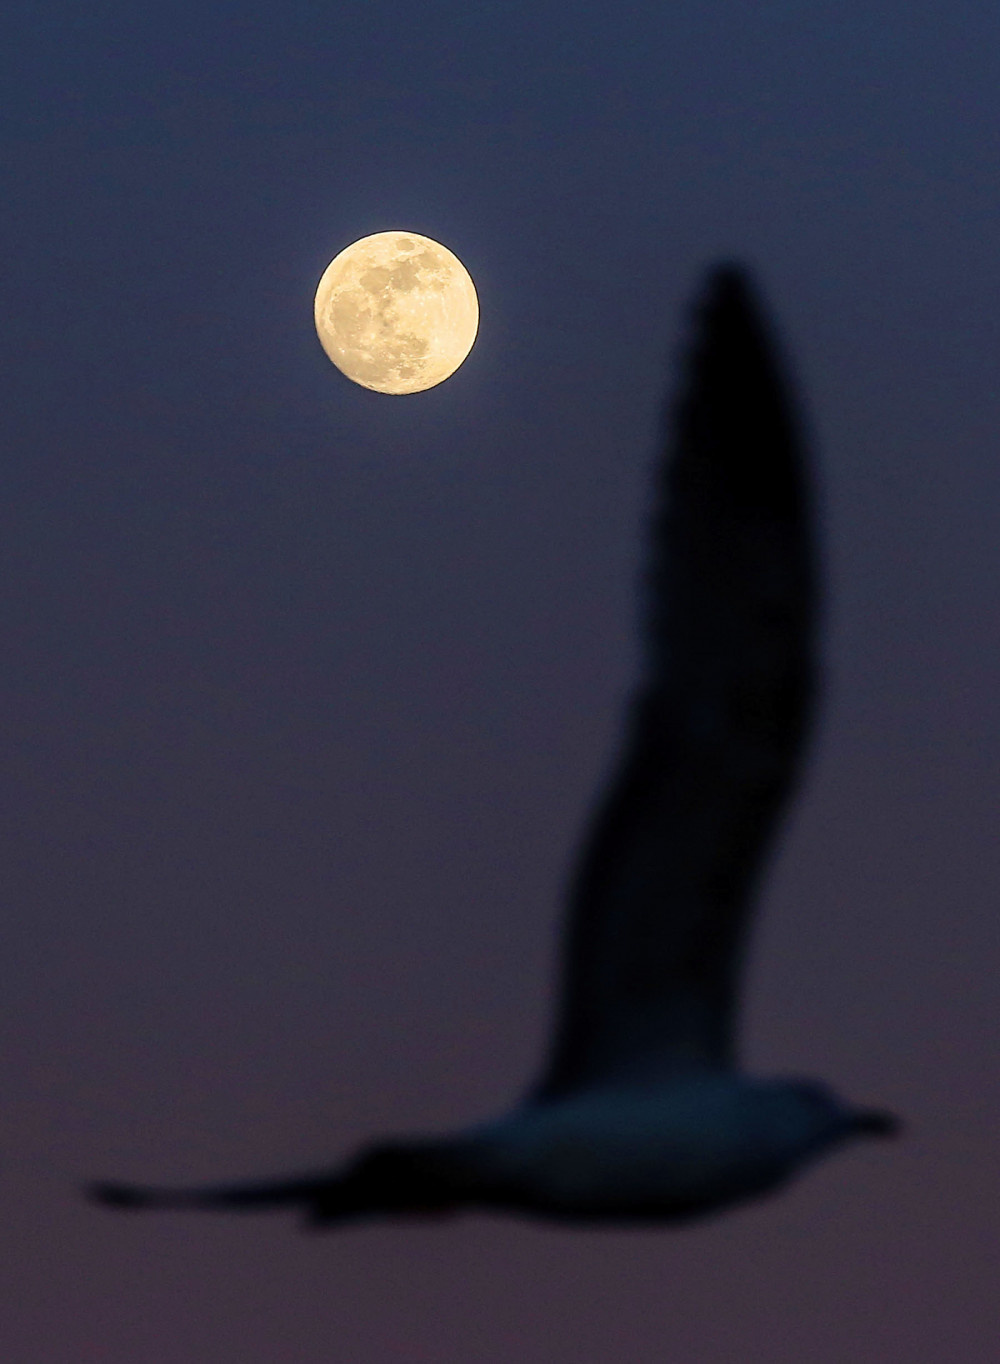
{"x": 641, "y": 1114}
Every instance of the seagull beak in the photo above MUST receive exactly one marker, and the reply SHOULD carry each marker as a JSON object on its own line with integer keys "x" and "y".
{"x": 874, "y": 1122}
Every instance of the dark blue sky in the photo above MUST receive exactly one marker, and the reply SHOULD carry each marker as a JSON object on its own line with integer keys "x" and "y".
{"x": 306, "y": 690}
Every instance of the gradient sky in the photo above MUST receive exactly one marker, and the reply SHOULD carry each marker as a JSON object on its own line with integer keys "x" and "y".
{"x": 306, "y": 690}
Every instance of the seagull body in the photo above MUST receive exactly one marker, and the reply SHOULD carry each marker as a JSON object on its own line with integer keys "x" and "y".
{"x": 642, "y": 1114}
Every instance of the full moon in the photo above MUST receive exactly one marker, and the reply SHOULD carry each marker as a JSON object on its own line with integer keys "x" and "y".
{"x": 396, "y": 312}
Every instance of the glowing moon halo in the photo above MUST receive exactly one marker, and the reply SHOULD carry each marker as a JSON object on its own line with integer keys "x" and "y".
{"x": 396, "y": 312}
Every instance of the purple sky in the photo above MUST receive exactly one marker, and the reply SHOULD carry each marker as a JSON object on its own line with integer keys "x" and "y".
{"x": 306, "y": 691}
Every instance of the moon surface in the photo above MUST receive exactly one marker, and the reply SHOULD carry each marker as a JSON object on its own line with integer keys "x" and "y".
{"x": 396, "y": 312}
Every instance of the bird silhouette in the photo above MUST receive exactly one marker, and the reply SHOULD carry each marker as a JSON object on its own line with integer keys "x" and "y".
{"x": 642, "y": 1114}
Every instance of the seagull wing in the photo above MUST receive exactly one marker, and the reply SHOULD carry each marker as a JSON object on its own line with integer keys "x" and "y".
{"x": 661, "y": 899}
{"x": 414, "y": 1178}
{"x": 251, "y": 1197}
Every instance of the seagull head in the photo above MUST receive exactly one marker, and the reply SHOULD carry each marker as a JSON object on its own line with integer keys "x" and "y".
{"x": 819, "y": 1112}
{"x": 874, "y": 1122}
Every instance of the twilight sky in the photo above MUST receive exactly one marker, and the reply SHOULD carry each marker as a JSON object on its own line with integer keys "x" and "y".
{"x": 306, "y": 690}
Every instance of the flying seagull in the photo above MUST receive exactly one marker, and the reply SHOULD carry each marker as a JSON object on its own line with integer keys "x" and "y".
{"x": 642, "y": 1114}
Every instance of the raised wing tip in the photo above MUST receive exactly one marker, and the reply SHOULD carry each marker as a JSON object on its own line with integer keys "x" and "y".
{"x": 728, "y": 279}
{"x": 729, "y": 298}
